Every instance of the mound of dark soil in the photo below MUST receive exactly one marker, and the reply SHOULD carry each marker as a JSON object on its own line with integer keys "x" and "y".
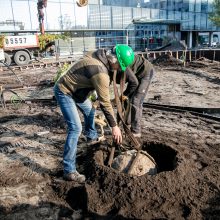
{"x": 167, "y": 60}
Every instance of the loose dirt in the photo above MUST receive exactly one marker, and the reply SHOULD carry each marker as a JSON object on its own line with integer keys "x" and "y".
{"x": 185, "y": 147}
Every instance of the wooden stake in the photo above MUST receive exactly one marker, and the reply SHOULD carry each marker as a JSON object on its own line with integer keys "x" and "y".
{"x": 213, "y": 55}
{"x": 111, "y": 157}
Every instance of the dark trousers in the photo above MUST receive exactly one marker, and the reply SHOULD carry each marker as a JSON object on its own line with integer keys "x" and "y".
{"x": 136, "y": 103}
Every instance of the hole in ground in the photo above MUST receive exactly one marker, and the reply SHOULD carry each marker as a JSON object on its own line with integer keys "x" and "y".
{"x": 77, "y": 198}
{"x": 164, "y": 156}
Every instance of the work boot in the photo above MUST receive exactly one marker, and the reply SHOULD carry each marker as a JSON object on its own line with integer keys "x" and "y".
{"x": 91, "y": 142}
{"x": 137, "y": 135}
{"x": 75, "y": 176}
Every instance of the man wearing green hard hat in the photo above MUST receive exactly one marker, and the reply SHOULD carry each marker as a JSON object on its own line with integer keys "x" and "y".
{"x": 138, "y": 75}
{"x": 125, "y": 55}
{"x": 92, "y": 72}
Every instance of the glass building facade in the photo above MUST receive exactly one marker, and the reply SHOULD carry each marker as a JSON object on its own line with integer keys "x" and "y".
{"x": 192, "y": 13}
{"x": 106, "y": 14}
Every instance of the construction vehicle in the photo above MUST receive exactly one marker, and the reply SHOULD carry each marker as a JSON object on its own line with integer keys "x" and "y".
{"x": 20, "y": 49}
{"x": 41, "y": 4}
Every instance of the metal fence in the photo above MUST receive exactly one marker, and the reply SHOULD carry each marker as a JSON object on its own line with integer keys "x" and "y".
{"x": 77, "y": 46}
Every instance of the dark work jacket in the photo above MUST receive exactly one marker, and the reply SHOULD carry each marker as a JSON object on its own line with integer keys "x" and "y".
{"x": 139, "y": 69}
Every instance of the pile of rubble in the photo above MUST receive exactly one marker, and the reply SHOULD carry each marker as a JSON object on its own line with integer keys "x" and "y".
{"x": 167, "y": 60}
{"x": 203, "y": 62}
{"x": 173, "y": 46}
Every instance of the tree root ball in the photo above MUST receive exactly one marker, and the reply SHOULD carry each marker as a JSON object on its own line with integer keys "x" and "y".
{"x": 145, "y": 164}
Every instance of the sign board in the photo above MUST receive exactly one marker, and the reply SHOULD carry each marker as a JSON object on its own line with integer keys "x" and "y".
{"x": 23, "y": 41}
{"x": 2, "y": 55}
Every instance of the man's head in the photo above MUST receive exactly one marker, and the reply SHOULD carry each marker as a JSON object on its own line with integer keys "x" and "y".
{"x": 120, "y": 57}
{"x": 113, "y": 61}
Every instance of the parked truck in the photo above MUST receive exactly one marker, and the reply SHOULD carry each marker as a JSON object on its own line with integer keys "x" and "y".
{"x": 20, "y": 49}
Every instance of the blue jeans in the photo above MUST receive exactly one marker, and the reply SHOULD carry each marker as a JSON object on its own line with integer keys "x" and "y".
{"x": 68, "y": 107}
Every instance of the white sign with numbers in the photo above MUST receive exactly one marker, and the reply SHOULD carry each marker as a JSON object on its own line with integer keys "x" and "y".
{"x": 25, "y": 41}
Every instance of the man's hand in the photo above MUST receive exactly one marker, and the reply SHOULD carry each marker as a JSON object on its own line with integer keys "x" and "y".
{"x": 116, "y": 135}
{"x": 122, "y": 98}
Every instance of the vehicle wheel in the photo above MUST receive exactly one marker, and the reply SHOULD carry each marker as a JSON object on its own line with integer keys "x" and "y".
{"x": 21, "y": 58}
{"x": 7, "y": 60}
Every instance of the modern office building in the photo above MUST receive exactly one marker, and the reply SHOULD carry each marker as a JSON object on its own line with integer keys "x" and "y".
{"x": 155, "y": 19}
{"x": 122, "y": 3}
{"x": 141, "y": 23}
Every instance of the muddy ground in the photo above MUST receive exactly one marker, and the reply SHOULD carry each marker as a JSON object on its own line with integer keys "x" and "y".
{"x": 185, "y": 147}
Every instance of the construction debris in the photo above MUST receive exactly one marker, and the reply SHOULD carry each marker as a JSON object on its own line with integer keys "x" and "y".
{"x": 167, "y": 60}
{"x": 203, "y": 62}
{"x": 173, "y": 46}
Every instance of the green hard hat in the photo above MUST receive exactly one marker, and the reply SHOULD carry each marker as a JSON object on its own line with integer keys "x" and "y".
{"x": 125, "y": 55}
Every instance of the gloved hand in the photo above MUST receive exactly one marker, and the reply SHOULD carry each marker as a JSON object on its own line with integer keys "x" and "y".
{"x": 93, "y": 96}
{"x": 122, "y": 98}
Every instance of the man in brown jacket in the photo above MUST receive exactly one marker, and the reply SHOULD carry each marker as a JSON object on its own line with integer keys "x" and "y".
{"x": 71, "y": 91}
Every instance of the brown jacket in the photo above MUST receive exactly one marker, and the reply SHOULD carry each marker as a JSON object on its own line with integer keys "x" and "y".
{"x": 89, "y": 73}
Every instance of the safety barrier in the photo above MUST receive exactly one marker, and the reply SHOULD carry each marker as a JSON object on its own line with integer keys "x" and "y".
{"x": 188, "y": 55}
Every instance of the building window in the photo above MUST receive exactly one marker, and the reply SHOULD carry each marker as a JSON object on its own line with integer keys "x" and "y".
{"x": 185, "y": 6}
{"x": 204, "y": 6}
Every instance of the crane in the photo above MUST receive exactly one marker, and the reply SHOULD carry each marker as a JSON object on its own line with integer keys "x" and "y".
{"x": 41, "y": 4}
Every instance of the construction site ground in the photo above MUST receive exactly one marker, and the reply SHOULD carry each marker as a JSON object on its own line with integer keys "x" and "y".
{"x": 186, "y": 148}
